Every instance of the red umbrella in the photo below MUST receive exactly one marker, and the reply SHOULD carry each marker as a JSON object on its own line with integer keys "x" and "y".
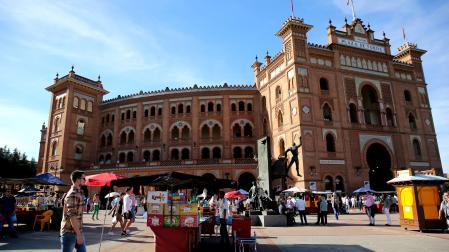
{"x": 102, "y": 179}
{"x": 234, "y": 195}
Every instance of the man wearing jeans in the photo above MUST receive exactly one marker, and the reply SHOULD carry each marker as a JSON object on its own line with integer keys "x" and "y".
{"x": 8, "y": 211}
{"x": 72, "y": 221}
{"x": 301, "y": 207}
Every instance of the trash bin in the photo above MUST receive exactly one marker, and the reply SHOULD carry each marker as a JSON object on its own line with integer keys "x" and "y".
{"x": 419, "y": 200}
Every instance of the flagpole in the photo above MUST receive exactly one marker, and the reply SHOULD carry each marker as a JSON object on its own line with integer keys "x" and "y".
{"x": 293, "y": 9}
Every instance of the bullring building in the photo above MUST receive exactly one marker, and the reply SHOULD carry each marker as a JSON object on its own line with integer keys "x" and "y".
{"x": 361, "y": 111}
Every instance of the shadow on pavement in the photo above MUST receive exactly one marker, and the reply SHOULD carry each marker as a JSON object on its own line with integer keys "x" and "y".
{"x": 312, "y": 248}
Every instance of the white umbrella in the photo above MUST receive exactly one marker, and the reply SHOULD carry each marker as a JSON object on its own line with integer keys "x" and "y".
{"x": 295, "y": 190}
{"x": 112, "y": 194}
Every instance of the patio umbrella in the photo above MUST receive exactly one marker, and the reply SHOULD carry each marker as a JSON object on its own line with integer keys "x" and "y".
{"x": 243, "y": 192}
{"x": 111, "y": 195}
{"x": 364, "y": 190}
{"x": 295, "y": 190}
{"x": 49, "y": 179}
{"x": 233, "y": 195}
{"x": 29, "y": 189}
{"x": 102, "y": 179}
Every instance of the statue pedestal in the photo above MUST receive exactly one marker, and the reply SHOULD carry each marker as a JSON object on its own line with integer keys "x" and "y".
{"x": 271, "y": 220}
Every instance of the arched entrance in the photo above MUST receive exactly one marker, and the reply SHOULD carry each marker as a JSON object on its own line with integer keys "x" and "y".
{"x": 210, "y": 189}
{"x": 379, "y": 161}
{"x": 246, "y": 180}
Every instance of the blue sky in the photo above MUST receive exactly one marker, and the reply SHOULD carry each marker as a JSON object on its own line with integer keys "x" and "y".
{"x": 149, "y": 45}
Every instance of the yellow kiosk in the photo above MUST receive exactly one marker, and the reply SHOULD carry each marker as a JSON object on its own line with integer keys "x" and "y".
{"x": 419, "y": 200}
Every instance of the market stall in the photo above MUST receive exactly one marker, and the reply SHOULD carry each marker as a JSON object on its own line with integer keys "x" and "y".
{"x": 173, "y": 215}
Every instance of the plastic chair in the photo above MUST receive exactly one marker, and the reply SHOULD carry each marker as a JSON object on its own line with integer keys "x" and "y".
{"x": 43, "y": 218}
{"x": 241, "y": 242}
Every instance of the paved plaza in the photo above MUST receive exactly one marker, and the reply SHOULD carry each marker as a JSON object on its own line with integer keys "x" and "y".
{"x": 350, "y": 233}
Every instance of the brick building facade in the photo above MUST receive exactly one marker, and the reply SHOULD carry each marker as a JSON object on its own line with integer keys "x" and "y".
{"x": 360, "y": 111}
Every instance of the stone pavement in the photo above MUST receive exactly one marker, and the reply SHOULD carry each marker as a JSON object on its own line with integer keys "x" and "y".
{"x": 350, "y": 233}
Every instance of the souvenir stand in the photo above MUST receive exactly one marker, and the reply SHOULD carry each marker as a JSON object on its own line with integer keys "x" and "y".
{"x": 175, "y": 220}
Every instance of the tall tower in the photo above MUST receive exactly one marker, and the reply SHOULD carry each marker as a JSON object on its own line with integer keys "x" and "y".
{"x": 71, "y": 138}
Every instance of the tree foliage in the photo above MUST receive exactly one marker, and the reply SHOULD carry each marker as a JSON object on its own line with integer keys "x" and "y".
{"x": 14, "y": 164}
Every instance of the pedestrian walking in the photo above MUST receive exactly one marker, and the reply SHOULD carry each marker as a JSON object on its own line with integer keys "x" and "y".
{"x": 223, "y": 208}
{"x": 301, "y": 207}
{"x": 117, "y": 206}
{"x": 96, "y": 202}
{"x": 336, "y": 204}
{"x": 370, "y": 208}
{"x": 127, "y": 211}
{"x": 72, "y": 220}
{"x": 444, "y": 208}
{"x": 386, "y": 209}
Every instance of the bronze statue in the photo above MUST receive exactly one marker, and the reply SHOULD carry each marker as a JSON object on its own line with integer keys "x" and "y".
{"x": 294, "y": 151}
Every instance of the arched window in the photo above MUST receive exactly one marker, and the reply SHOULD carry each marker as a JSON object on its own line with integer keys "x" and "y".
{"x": 353, "y": 113}
{"x": 407, "y": 96}
{"x": 147, "y": 136}
{"x": 173, "y": 110}
{"x": 241, "y": 106}
{"x": 185, "y": 132}
{"x": 188, "y": 109}
{"x": 236, "y": 130}
{"x": 205, "y": 131}
{"x": 180, "y": 108}
{"x": 123, "y": 138}
{"x": 233, "y": 107}
{"x": 108, "y": 158}
{"x": 122, "y": 157}
{"x": 249, "y": 107}
{"x": 134, "y": 114}
{"x": 185, "y": 154}
{"x": 278, "y": 92}
{"x": 216, "y": 131}
{"x": 412, "y": 121}
{"x": 103, "y": 141}
{"x": 175, "y": 133}
{"x": 247, "y": 130}
{"x": 130, "y": 157}
{"x": 324, "y": 85}
{"x": 80, "y": 126}
{"x": 417, "y": 149}
{"x": 174, "y": 154}
{"x": 210, "y": 107}
{"x": 145, "y": 113}
{"x": 89, "y": 106}
{"x": 109, "y": 140}
{"x": 83, "y": 104}
{"x": 216, "y": 153}
{"x": 146, "y": 155}
{"x": 205, "y": 153}
{"x": 371, "y": 105}
{"x": 159, "y": 111}
{"x": 128, "y": 114}
{"x": 390, "y": 118}
{"x": 54, "y": 148}
{"x": 237, "y": 152}
{"x": 327, "y": 112}
{"x": 123, "y": 116}
{"x": 218, "y": 107}
{"x": 153, "y": 111}
{"x": 330, "y": 143}
{"x": 157, "y": 135}
{"x": 75, "y": 102}
{"x": 280, "y": 120}
{"x": 78, "y": 152}
{"x": 339, "y": 184}
{"x": 156, "y": 155}
{"x": 281, "y": 147}
{"x": 249, "y": 152}
{"x": 112, "y": 118}
{"x": 131, "y": 137}
{"x": 203, "y": 108}
{"x": 56, "y": 124}
{"x": 328, "y": 183}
